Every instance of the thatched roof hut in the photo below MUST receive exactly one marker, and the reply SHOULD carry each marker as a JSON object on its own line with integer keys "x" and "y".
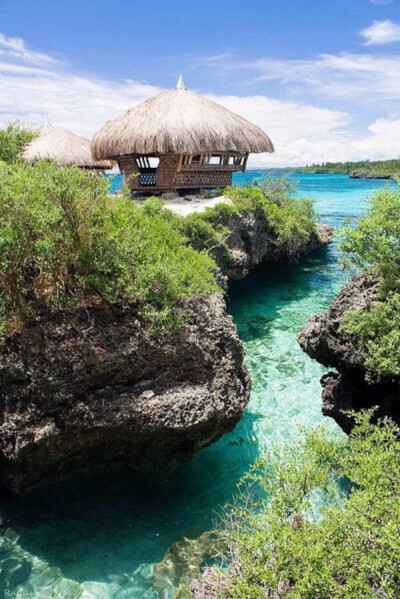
{"x": 64, "y": 148}
{"x": 197, "y": 142}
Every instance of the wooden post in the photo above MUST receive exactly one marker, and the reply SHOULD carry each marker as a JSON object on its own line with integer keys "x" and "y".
{"x": 178, "y": 169}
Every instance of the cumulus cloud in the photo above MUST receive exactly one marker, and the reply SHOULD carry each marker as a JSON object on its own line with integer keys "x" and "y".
{"x": 302, "y": 133}
{"x": 380, "y": 142}
{"x": 381, "y": 32}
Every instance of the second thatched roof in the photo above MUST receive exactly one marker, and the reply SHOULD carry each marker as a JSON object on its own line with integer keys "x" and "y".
{"x": 64, "y": 148}
{"x": 178, "y": 121}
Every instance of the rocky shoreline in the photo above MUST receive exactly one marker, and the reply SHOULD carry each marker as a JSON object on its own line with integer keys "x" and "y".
{"x": 92, "y": 388}
{"x": 347, "y": 388}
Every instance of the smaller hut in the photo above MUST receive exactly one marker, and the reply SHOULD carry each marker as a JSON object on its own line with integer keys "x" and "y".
{"x": 64, "y": 148}
{"x": 179, "y": 141}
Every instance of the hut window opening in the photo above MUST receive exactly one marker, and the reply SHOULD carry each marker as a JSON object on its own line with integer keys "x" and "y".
{"x": 146, "y": 162}
{"x": 154, "y": 161}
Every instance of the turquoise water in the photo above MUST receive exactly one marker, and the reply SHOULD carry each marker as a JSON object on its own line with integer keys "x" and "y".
{"x": 102, "y": 537}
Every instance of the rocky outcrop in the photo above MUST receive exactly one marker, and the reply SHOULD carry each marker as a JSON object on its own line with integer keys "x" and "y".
{"x": 92, "y": 388}
{"x": 347, "y": 389}
{"x": 252, "y": 243}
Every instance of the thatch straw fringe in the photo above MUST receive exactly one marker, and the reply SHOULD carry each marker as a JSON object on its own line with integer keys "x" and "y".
{"x": 178, "y": 121}
{"x": 66, "y": 149}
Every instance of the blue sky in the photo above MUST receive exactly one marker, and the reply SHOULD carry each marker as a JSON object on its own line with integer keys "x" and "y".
{"x": 321, "y": 77}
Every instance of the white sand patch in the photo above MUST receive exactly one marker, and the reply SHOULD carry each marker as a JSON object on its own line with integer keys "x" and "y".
{"x": 184, "y": 207}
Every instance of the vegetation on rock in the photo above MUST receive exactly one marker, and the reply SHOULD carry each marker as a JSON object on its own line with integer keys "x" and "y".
{"x": 374, "y": 246}
{"x": 326, "y": 522}
{"x": 291, "y": 221}
{"x": 63, "y": 240}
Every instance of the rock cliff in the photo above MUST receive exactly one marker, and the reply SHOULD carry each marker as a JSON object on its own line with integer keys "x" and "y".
{"x": 91, "y": 388}
{"x": 252, "y": 244}
{"x": 347, "y": 388}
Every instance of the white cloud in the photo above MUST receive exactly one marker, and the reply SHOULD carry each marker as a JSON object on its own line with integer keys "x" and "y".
{"x": 381, "y": 32}
{"x": 382, "y": 141}
{"x": 15, "y": 47}
{"x": 381, "y": 1}
{"x": 302, "y": 133}
{"x": 364, "y": 77}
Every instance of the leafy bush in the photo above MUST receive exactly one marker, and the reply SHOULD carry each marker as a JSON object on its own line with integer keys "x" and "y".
{"x": 378, "y": 334}
{"x": 62, "y": 239}
{"x": 374, "y": 246}
{"x": 12, "y": 140}
{"x": 292, "y": 220}
{"x": 327, "y": 521}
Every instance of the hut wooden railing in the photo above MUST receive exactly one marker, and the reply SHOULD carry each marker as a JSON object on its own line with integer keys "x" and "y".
{"x": 182, "y": 171}
{"x": 224, "y": 161}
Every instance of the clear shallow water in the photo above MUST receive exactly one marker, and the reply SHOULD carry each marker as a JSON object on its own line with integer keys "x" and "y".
{"x": 101, "y": 537}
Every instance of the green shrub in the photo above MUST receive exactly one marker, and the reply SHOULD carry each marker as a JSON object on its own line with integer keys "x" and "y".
{"x": 374, "y": 246}
{"x": 12, "y": 140}
{"x": 292, "y": 220}
{"x": 378, "y": 335}
{"x": 201, "y": 233}
{"x": 327, "y": 521}
{"x": 62, "y": 239}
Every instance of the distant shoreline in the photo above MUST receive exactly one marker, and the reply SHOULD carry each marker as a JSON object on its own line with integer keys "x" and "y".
{"x": 362, "y": 169}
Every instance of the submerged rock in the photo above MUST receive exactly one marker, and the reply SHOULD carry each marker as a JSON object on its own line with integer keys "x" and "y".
{"x": 348, "y": 389}
{"x": 91, "y": 388}
{"x": 183, "y": 561}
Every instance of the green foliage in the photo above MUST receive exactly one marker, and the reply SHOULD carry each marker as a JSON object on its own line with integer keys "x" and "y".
{"x": 374, "y": 167}
{"x": 327, "y": 525}
{"x": 63, "y": 240}
{"x": 378, "y": 333}
{"x": 201, "y": 233}
{"x": 292, "y": 220}
{"x": 12, "y": 140}
{"x": 374, "y": 246}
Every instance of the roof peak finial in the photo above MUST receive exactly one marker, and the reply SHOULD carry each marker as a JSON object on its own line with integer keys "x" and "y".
{"x": 180, "y": 84}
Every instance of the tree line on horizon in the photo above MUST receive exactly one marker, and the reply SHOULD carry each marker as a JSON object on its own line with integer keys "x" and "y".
{"x": 378, "y": 167}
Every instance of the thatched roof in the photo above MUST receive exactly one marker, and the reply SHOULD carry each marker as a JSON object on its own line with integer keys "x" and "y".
{"x": 178, "y": 121}
{"x": 66, "y": 149}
